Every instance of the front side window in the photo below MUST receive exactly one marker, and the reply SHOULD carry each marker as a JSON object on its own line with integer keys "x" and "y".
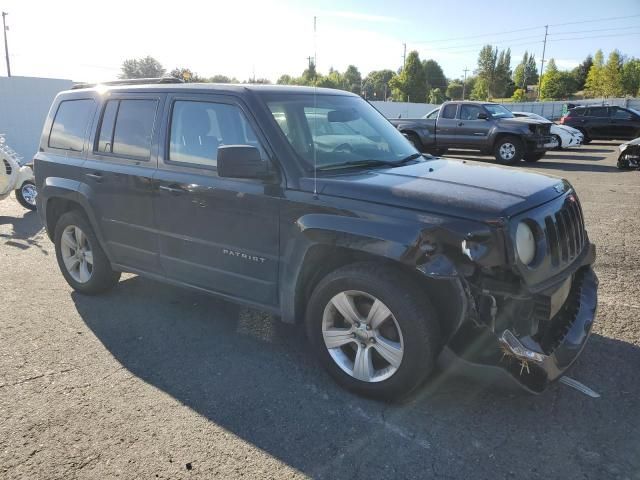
{"x": 199, "y": 128}
{"x": 470, "y": 112}
{"x": 498, "y": 111}
{"x": 449, "y": 111}
{"x": 621, "y": 114}
{"x": 127, "y": 128}
{"x": 70, "y": 124}
{"x": 597, "y": 112}
{"x": 333, "y": 130}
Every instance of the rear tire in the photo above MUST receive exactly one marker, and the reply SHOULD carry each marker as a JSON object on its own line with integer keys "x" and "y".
{"x": 81, "y": 259}
{"x": 508, "y": 150}
{"x": 27, "y": 194}
{"x": 585, "y": 137}
{"x": 415, "y": 141}
{"x": 406, "y": 330}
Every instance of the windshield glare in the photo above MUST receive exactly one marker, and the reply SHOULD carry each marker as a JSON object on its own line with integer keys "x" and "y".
{"x": 337, "y": 129}
{"x": 498, "y": 111}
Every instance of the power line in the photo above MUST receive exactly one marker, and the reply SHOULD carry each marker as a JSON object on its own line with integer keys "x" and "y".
{"x": 597, "y": 30}
{"x": 595, "y": 20}
{"x": 594, "y": 36}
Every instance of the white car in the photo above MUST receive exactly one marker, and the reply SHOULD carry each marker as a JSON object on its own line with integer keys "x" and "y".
{"x": 15, "y": 176}
{"x": 565, "y": 136}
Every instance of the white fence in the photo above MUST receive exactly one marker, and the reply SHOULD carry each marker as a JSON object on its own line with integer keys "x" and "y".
{"x": 24, "y": 104}
{"x": 550, "y": 110}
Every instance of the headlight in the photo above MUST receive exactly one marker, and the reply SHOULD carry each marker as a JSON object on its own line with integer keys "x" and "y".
{"x": 525, "y": 243}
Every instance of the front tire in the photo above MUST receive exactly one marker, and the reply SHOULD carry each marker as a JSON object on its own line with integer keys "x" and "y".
{"x": 508, "y": 150}
{"x": 81, "y": 259}
{"x": 27, "y": 194}
{"x": 559, "y": 140}
{"x": 373, "y": 330}
{"x": 415, "y": 141}
{"x": 585, "y": 137}
{"x": 533, "y": 157}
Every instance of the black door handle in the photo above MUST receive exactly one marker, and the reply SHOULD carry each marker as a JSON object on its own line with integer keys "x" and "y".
{"x": 95, "y": 176}
{"x": 174, "y": 190}
{"x": 460, "y": 124}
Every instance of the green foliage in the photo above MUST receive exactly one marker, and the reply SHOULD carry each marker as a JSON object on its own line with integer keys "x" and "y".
{"x": 612, "y": 75}
{"x": 495, "y": 70}
{"x": 285, "y": 80}
{"x": 376, "y": 84}
{"x": 480, "y": 89}
{"x": 436, "y": 96}
{"x": 594, "y": 85}
{"x": 470, "y": 85}
{"x": 454, "y": 90}
{"x": 581, "y": 71}
{"x": 526, "y": 73}
{"x": 433, "y": 74}
{"x": 147, "y": 67}
{"x": 519, "y": 95}
{"x": 502, "y": 82}
{"x": 631, "y": 77}
{"x": 410, "y": 85}
{"x": 186, "y": 75}
{"x": 352, "y": 80}
{"x": 557, "y": 85}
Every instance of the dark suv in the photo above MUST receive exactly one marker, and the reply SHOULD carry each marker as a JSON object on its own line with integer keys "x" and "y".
{"x": 309, "y": 204}
{"x": 604, "y": 123}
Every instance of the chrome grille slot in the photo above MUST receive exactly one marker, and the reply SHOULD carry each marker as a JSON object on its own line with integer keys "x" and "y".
{"x": 552, "y": 240}
{"x": 565, "y": 232}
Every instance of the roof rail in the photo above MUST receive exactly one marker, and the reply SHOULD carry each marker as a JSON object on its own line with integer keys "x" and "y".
{"x": 130, "y": 81}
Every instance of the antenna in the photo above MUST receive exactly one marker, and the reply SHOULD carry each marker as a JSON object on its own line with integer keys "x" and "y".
{"x": 315, "y": 114}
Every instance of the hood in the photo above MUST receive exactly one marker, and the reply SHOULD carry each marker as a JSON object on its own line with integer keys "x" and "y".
{"x": 635, "y": 141}
{"x": 448, "y": 187}
{"x": 521, "y": 120}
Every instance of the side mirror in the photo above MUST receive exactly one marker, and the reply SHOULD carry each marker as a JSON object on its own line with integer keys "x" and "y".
{"x": 483, "y": 116}
{"x": 241, "y": 161}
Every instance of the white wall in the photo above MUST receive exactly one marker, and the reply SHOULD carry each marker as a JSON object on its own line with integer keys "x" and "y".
{"x": 24, "y": 104}
{"x": 407, "y": 110}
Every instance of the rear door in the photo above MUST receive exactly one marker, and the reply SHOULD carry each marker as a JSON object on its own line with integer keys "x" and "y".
{"x": 218, "y": 234}
{"x": 472, "y": 131}
{"x": 446, "y": 125}
{"x": 119, "y": 172}
{"x": 597, "y": 122}
{"x": 623, "y": 124}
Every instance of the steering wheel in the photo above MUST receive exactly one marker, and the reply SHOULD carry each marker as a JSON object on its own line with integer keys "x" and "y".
{"x": 344, "y": 147}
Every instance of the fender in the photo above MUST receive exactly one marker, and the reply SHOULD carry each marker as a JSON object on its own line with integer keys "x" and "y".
{"x": 74, "y": 191}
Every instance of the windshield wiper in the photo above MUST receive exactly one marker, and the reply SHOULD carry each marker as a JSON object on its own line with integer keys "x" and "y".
{"x": 358, "y": 163}
{"x": 413, "y": 156}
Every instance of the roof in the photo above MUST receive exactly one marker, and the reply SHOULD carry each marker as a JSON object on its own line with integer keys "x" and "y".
{"x": 217, "y": 87}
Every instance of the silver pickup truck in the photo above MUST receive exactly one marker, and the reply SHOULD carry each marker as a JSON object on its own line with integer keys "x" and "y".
{"x": 487, "y": 127}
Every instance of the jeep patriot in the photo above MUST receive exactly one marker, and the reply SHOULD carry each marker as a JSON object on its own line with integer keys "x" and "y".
{"x": 309, "y": 204}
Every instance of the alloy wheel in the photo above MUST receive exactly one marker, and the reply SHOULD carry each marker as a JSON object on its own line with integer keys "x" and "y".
{"x": 507, "y": 151}
{"x": 77, "y": 254}
{"x": 362, "y": 336}
{"x": 29, "y": 193}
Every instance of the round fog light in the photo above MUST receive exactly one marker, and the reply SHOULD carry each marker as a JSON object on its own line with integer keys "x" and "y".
{"x": 525, "y": 243}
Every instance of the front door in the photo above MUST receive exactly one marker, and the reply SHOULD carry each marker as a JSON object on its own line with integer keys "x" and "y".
{"x": 119, "y": 171}
{"x": 218, "y": 234}
{"x": 472, "y": 131}
{"x": 623, "y": 124}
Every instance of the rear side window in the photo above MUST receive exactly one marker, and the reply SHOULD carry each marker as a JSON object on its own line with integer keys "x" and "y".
{"x": 70, "y": 124}
{"x": 449, "y": 111}
{"x": 597, "y": 112}
{"x": 127, "y": 128}
{"x": 199, "y": 128}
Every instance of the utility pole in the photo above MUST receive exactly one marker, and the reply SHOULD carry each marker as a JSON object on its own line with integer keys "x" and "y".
{"x": 544, "y": 48}
{"x": 404, "y": 56}
{"x": 464, "y": 82}
{"x": 6, "y": 45}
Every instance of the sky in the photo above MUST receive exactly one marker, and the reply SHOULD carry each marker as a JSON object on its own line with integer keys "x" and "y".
{"x": 88, "y": 41}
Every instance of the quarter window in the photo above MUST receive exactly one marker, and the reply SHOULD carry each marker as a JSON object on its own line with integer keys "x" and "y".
{"x": 70, "y": 124}
{"x": 449, "y": 111}
{"x": 127, "y": 128}
{"x": 199, "y": 128}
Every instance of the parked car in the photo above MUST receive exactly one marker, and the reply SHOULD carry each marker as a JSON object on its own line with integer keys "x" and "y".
{"x": 390, "y": 258}
{"x": 488, "y": 127}
{"x": 564, "y": 135}
{"x": 14, "y": 176}
{"x": 629, "y": 155}
{"x": 604, "y": 122}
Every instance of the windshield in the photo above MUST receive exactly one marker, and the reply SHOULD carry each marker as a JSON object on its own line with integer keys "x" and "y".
{"x": 337, "y": 130}
{"x": 498, "y": 111}
{"x": 634, "y": 111}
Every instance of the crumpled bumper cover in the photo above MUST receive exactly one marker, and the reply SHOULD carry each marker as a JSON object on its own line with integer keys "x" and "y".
{"x": 535, "y": 377}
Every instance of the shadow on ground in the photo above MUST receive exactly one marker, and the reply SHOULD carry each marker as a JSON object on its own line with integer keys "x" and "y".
{"x": 24, "y": 231}
{"x": 251, "y": 374}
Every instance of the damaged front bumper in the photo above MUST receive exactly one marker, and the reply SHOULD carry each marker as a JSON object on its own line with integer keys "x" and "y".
{"x": 508, "y": 351}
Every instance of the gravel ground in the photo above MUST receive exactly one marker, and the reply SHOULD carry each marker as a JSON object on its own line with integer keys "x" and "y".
{"x": 151, "y": 381}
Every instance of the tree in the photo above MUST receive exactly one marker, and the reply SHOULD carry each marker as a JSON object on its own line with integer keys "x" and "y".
{"x": 469, "y": 86}
{"x": 486, "y": 70}
{"x": 222, "y": 79}
{"x": 376, "y": 84}
{"x": 147, "y": 67}
{"x": 285, "y": 80}
{"x": 480, "y": 89}
{"x": 352, "y": 80}
{"x": 186, "y": 75}
{"x": 519, "y": 95}
{"x": 581, "y": 71}
{"x": 594, "y": 84}
{"x": 436, "y": 96}
{"x": 410, "y": 85}
{"x": 502, "y": 85}
{"x": 612, "y": 75}
{"x": 433, "y": 74}
{"x": 526, "y": 73}
{"x": 454, "y": 90}
{"x": 631, "y": 77}
{"x": 556, "y": 84}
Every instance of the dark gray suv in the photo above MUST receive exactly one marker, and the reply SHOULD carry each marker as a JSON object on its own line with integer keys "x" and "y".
{"x": 309, "y": 204}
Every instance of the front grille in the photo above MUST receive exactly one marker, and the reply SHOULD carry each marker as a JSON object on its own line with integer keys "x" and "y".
{"x": 7, "y": 167}
{"x": 543, "y": 130}
{"x": 565, "y": 232}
